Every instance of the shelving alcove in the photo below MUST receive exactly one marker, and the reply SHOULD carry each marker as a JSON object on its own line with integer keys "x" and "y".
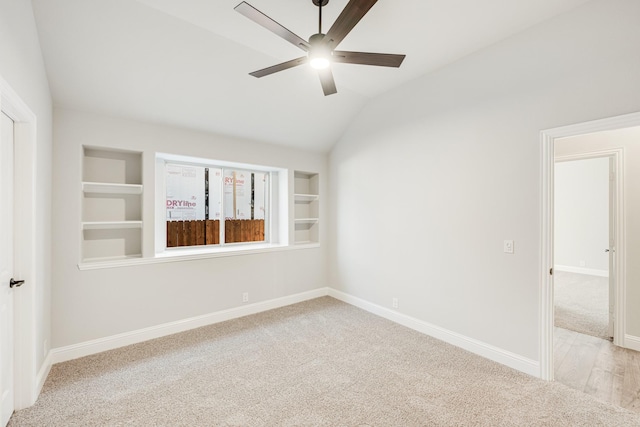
{"x": 111, "y": 204}
{"x": 306, "y": 199}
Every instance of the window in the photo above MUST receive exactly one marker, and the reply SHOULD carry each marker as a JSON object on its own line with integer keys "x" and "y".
{"x": 215, "y": 204}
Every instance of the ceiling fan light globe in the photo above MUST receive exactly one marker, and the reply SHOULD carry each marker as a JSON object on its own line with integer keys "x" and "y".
{"x": 319, "y": 63}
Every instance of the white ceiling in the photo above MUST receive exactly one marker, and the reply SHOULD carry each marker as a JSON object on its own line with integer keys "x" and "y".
{"x": 186, "y": 62}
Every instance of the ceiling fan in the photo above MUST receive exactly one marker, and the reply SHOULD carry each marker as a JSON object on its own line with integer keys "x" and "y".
{"x": 321, "y": 47}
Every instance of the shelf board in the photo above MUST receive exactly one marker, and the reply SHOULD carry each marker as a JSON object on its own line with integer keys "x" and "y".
{"x": 111, "y": 188}
{"x": 306, "y": 198}
{"x": 304, "y": 175}
{"x": 111, "y": 225}
{"x": 306, "y": 220}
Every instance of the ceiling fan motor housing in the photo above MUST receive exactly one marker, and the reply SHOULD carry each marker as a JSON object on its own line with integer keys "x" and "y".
{"x": 318, "y": 48}
{"x": 316, "y": 39}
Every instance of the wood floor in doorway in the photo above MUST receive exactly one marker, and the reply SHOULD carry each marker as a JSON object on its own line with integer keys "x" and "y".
{"x": 597, "y": 367}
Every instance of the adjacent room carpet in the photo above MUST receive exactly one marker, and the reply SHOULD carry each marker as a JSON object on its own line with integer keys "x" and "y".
{"x": 582, "y": 303}
{"x": 317, "y": 363}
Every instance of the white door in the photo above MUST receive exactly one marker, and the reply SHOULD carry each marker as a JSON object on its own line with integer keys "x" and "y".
{"x": 6, "y": 268}
{"x": 612, "y": 242}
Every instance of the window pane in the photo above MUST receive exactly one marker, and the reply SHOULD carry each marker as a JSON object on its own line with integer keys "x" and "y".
{"x": 244, "y": 205}
{"x": 185, "y": 193}
{"x": 237, "y": 194}
{"x": 187, "y": 213}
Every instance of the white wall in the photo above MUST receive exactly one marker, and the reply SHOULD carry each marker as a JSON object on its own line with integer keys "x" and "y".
{"x": 581, "y": 223}
{"x": 22, "y": 67}
{"x": 432, "y": 177}
{"x": 629, "y": 140}
{"x": 93, "y": 304}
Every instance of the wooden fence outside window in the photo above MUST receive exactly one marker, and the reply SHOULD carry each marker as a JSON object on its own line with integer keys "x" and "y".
{"x": 207, "y": 232}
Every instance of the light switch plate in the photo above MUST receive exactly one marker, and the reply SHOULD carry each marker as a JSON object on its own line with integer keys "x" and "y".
{"x": 508, "y": 246}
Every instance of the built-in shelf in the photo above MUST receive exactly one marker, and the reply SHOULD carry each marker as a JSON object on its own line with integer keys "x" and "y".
{"x": 306, "y": 218}
{"x": 111, "y": 205}
{"x": 110, "y": 225}
{"x": 305, "y": 198}
{"x": 111, "y": 188}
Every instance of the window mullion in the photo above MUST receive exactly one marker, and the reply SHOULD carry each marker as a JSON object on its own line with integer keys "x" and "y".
{"x": 222, "y": 209}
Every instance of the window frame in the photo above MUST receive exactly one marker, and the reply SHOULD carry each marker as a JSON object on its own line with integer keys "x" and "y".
{"x": 275, "y": 234}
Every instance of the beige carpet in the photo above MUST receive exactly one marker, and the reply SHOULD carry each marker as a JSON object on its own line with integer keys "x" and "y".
{"x": 318, "y": 363}
{"x": 582, "y": 303}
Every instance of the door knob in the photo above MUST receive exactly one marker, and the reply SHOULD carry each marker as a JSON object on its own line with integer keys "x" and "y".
{"x": 606, "y": 250}
{"x": 15, "y": 283}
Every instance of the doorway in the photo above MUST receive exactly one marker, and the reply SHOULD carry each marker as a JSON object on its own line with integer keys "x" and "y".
{"x": 590, "y": 131}
{"x": 584, "y": 241}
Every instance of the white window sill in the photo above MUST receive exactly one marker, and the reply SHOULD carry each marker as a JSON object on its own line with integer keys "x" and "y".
{"x": 190, "y": 253}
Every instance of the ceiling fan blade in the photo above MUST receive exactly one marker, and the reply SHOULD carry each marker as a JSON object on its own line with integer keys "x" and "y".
{"x": 280, "y": 67}
{"x": 350, "y": 16}
{"x": 364, "y": 58}
{"x": 328, "y": 84}
{"x": 260, "y": 18}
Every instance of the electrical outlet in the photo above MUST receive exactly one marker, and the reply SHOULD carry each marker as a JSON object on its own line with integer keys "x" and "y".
{"x": 245, "y": 297}
{"x": 394, "y": 303}
{"x": 508, "y": 246}
{"x": 582, "y": 263}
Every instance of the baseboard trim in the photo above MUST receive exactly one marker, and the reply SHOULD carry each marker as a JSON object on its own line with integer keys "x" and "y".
{"x": 582, "y": 270}
{"x": 75, "y": 351}
{"x": 490, "y": 352}
{"x": 43, "y": 373}
{"x": 632, "y": 342}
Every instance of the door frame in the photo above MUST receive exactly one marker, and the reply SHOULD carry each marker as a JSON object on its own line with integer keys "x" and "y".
{"x": 26, "y": 375}
{"x": 546, "y": 314}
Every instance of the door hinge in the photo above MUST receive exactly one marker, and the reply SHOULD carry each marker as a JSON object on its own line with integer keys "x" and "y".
{"x": 551, "y": 272}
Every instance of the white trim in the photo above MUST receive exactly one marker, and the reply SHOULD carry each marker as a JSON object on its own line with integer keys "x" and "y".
{"x": 218, "y": 164}
{"x": 43, "y": 373}
{"x": 582, "y": 270}
{"x": 632, "y": 342}
{"x": 585, "y": 156}
{"x": 26, "y": 390}
{"x": 546, "y": 315}
{"x": 87, "y": 348}
{"x": 485, "y": 350}
{"x": 191, "y": 254}
{"x": 545, "y": 306}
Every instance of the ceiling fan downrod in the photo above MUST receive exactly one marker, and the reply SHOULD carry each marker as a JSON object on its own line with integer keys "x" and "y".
{"x": 320, "y": 3}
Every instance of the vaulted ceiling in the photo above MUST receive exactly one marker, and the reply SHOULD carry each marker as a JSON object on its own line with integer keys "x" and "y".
{"x": 186, "y": 62}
